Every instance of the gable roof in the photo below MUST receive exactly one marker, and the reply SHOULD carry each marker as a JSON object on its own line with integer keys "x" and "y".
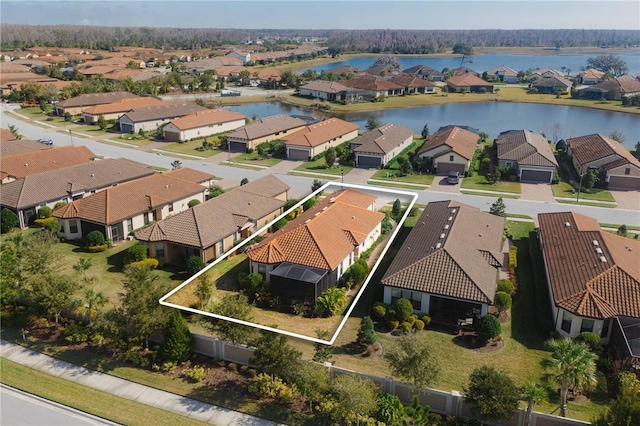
{"x": 142, "y": 114}
{"x": 11, "y": 146}
{"x": 591, "y": 74}
{"x": 325, "y": 86}
{"x": 463, "y": 71}
{"x": 421, "y": 70}
{"x": 406, "y": 80}
{"x": 322, "y": 236}
{"x": 452, "y": 251}
{"x": 581, "y": 282}
{"x": 503, "y": 70}
{"x": 29, "y": 163}
{"x": 526, "y": 148}
{"x": 372, "y": 83}
{"x": 552, "y": 81}
{"x": 207, "y": 223}
{"x": 319, "y": 133}
{"x": 548, "y": 70}
{"x": 266, "y": 126}
{"x": 467, "y": 80}
{"x": 623, "y": 84}
{"x": 123, "y": 105}
{"x": 593, "y": 147}
{"x": 460, "y": 141}
{"x": 91, "y": 99}
{"x": 62, "y": 183}
{"x": 207, "y": 118}
{"x": 382, "y": 139}
{"x": 190, "y": 175}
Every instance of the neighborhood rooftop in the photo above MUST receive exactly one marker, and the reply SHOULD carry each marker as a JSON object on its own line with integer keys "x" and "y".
{"x": 525, "y": 147}
{"x": 321, "y": 132}
{"x": 266, "y": 126}
{"x": 29, "y": 163}
{"x": 458, "y": 140}
{"x": 207, "y": 117}
{"x": 382, "y": 139}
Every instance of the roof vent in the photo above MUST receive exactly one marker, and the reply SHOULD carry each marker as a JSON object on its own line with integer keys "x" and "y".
{"x": 599, "y": 250}
{"x": 453, "y": 211}
{"x": 353, "y": 217}
{"x": 446, "y": 227}
{"x": 307, "y": 221}
{"x": 603, "y": 259}
{"x": 595, "y": 243}
{"x": 450, "y": 218}
{"x": 324, "y": 208}
{"x": 92, "y": 175}
{"x": 442, "y": 235}
{"x": 438, "y": 245}
{"x": 567, "y": 224}
{"x": 316, "y": 214}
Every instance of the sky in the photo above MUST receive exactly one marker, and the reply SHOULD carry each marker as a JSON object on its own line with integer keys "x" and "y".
{"x": 345, "y": 14}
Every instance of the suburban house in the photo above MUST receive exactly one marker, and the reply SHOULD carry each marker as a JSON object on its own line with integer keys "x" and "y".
{"x": 150, "y": 118}
{"x": 615, "y": 88}
{"x": 462, "y": 71}
{"x": 469, "y": 83}
{"x": 503, "y": 73}
{"x": 16, "y": 166}
{"x": 448, "y": 265}
{"x": 373, "y": 86}
{"x": 449, "y": 150}
{"x": 263, "y": 130}
{"x": 214, "y": 227}
{"x": 425, "y": 72}
{"x": 203, "y": 123}
{"x": 27, "y": 194}
{"x": 546, "y": 72}
{"x": 114, "y": 110}
{"x": 528, "y": 153}
{"x": 314, "y": 139}
{"x": 412, "y": 85}
{"x": 602, "y": 153}
{"x": 344, "y": 70}
{"x": 551, "y": 85}
{"x": 383, "y": 70}
{"x": 228, "y": 72}
{"x": 590, "y": 76}
{"x": 593, "y": 276}
{"x": 310, "y": 253}
{"x": 76, "y": 104}
{"x": 322, "y": 89}
{"x": 377, "y": 147}
{"x": 120, "y": 209}
{"x": 9, "y": 145}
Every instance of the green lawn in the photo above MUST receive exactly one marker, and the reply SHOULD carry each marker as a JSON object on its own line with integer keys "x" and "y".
{"x": 320, "y": 166}
{"x": 392, "y": 184}
{"x": 91, "y": 129}
{"x": 394, "y": 176}
{"x": 488, "y": 194}
{"x": 565, "y": 190}
{"x": 32, "y": 112}
{"x": 586, "y": 203}
{"x": 194, "y": 147}
{"x": 255, "y": 159}
{"x": 480, "y": 182}
{"x": 131, "y": 139}
{"x": 313, "y": 174}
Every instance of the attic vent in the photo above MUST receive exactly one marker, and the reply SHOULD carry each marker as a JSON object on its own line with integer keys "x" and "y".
{"x": 317, "y": 214}
{"x": 446, "y": 227}
{"x": 438, "y": 245}
{"x": 567, "y": 224}
{"x": 353, "y": 217}
{"x": 450, "y": 218}
{"x": 603, "y": 259}
{"x": 453, "y": 211}
{"x": 324, "y": 208}
{"x": 307, "y": 221}
{"x": 595, "y": 243}
{"x": 332, "y": 199}
{"x": 442, "y": 235}
{"x": 92, "y": 175}
{"x": 599, "y": 250}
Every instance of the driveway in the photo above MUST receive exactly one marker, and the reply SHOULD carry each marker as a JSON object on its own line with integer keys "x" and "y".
{"x": 537, "y": 192}
{"x": 627, "y": 199}
{"x": 440, "y": 185}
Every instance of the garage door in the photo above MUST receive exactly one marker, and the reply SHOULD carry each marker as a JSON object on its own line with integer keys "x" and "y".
{"x": 621, "y": 182}
{"x": 368, "y": 161}
{"x": 445, "y": 168}
{"x": 172, "y": 136}
{"x": 238, "y": 146}
{"x": 536, "y": 176}
{"x": 126, "y": 128}
{"x": 298, "y": 154}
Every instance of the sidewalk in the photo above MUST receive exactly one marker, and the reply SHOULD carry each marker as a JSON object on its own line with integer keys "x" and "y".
{"x": 143, "y": 394}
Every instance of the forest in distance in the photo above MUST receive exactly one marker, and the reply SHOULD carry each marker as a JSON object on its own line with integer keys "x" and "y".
{"x": 19, "y": 36}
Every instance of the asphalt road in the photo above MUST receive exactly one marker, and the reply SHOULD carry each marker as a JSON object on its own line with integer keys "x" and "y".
{"x": 23, "y": 409}
{"x": 302, "y": 185}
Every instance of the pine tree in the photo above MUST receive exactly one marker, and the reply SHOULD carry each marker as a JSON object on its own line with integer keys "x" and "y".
{"x": 178, "y": 341}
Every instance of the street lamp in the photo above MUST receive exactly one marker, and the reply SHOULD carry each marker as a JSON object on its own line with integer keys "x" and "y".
{"x": 342, "y": 179}
{"x": 71, "y": 135}
{"x": 579, "y": 187}
{"x": 228, "y": 151}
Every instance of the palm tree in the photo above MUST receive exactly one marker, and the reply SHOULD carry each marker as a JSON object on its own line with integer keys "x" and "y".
{"x": 532, "y": 393}
{"x": 92, "y": 300}
{"x": 572, "y": 364}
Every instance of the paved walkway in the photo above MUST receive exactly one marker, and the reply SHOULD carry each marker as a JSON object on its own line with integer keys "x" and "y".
{"x": 143, "y": 394}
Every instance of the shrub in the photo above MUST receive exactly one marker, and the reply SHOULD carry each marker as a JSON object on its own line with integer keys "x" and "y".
{"x": 195, "y": 374}
{"x": 193, "y": 203}
{"x": 426, "y": 319}
{"x": 506, "y": 286}
{"x": 44, "y": 212}
{"x": 97, "y": 249}
{"x": 276, "y": 388}
{"x": 95, "y": 238}
{"x": 366, "y": 333}
{"x": 53, "y": 225}
{"x": 418, "y": 325}
{"x": 76, "y": 333}
{"x": 406, "y": 327}
{"x": 393, "y": 324}
{"x": 9, "y": 220}
{"x": 136, "y": 253}
{"x": 244, "y": 181}
{"x": 150, "y": 262}
{"x": 379, "y": 310}
{"x": 178, "y": 341}
{"x": 404, "y": 309}
{"x": 513, "y": 256}
{"x": 414, "y": 211}
{"x": 331, "y": 302}
{"x": 487, "y": 327}
{"x": 279, "y": 224}
{"x": 194, "y": 264}
{"x": 42, "y": 223}
{"x": 590, "y": 339}
{"x": 502, "y": 301}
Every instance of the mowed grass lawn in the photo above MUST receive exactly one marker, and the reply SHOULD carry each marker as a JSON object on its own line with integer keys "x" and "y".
{"x": 393, "y": 176}
{"x": 480, "y": 183}
{"x": 565, "y": 190}
{"x": 194, "y": 147}
{"x": 255, "y": 159}
{"x": 320, "y": 166}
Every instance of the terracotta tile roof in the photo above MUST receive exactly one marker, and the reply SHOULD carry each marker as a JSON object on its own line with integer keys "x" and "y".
{"x": 320, "y": 133}
{"x": 115, "y": 204}
{"x": 58, "y": 84}
{"x": 462, "y": 142}
{"x": 123, "y": 105}
{"x": 91, "y": 99}
{"x": 322, "y": 236}
{"x": 15, "y": 146}
{"x": 207, "y": 223}
{"x": 449, "y": 253}
{"x": 372, "y": 83}
{"x": 325, "y": 86}
{"x": 206, "y": 118}
{"x": 467, "y": 80}
{"x": 13, "y": 68}
{"x": 382, "y": 139}
{"x": 266, "y": 126}
{"x": 463, "y": 71}
{"x": 6, "y": 135}
{"x": 62, "y": 183}
{"x": 581, "y": 282}
{"x": 406, "y": 80}
{"x": 151, "y": 113}
{"x": 591, "y": 74}
{"x": 589, "y": 148}
{"x": 30, "y": 163}
{"x": 227, "y": 70}
{"x": 18, "y": 77}
{"x": 269, "y": 74}
{"x": 119, "y": 73}
{"x": 624, "y": 84}
{"x": 526, "y": 148}
{"x": 99, "y": 69}
{"x": 190, "y": 175}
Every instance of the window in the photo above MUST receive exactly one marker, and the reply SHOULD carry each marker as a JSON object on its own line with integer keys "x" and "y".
{"x": 414, "y": 297}
{"x": 451, "y": 158}
{"x": 154, "y": 215}
{"x": 221, "y": 247}
{"x": 587, "y": 325}
{"x": 146, "y": 218}
{"x": 262, "y": 269}
{"x": 235, "y": 238}
{"x": 159, "y": 249}
{"x": 129, "y": 225}
{"x": 73, "y": 226}
{"x": 627, "y": 171}
{"x": 566, "y": 322}
{"x": 170, "y": 207}
{"x": 605, "y": 328}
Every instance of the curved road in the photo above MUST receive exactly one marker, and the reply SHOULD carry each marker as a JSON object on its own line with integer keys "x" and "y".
{"x": 302, "y": 185}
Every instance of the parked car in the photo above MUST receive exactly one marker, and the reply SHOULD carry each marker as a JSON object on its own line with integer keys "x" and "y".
{"x": 46, "y": 141}
{"x": 454, "y": 178}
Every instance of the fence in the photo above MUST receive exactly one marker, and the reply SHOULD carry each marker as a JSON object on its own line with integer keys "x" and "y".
{"x": 446, "y": 403}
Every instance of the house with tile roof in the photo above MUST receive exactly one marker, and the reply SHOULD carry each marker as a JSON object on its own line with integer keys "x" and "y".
{"x": 373, "y": 86}
{"x": 528, "y": 153}
{"x": 323, "y": 89}
{"x": 448, "y": 265}
{"x": 27, "y": 194}
{"x": 119, "y": 210}
{"x": 599, "y": 152}
{"x": 546, "y": 72}
{"x": 29, "y": 163}
{"x": 377, "y": 147}
{"x": 551, "y": 84}
{"x": 425, "y": 72}
{"x": 469, "y": 83}
{"x": 262, "y": 130}
{"x": 9, "y": 145}
{"x": 314, "y": 139}
{"x": 413, "y": 85}
{"x": 310, "y": 253}
{"x": 615, "y": 88}
{"x": 114, "y": 110}
{"x": 590, "y": 76}
{"x": 449, "y": 150}
{"x": 214, "y": 227}
{"x": 503, "y": 73}
{"x": 151, "y": 117}
{"x": 462, "y": 71}
{"x": 203, "y": 123}
{"x": 593, "y": 275}
{"x": 76, "y": 104}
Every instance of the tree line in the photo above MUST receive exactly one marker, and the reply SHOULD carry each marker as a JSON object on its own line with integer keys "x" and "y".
{"x": 19, "y": 36}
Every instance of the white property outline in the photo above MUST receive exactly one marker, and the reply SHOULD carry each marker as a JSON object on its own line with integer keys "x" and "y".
{"x": 163, "y": 299}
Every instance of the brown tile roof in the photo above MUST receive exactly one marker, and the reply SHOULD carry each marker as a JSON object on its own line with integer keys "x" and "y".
{"x": 266, "y": 126}
{"x": 269, "y": 74}
{"x": 624, "y": 84}
{"x": 18, "y": 77}
{"x": 99, "y": 69}
{"x": 405, "y": 80}
{"x": 13, "y": 68}
{"x": 589, "y": 148}
{"x": 447, "y": 253}
{"x": 467, "y": 80}
{"x": 119, "y": 73}
{"x": 320, "y": 133}
{"x": 552, "y": 81}
{"x": 581, "y": 282}
{"x": 382, "y": 139}
{"x": 15, "y": 146}
{"x": 461, "y": 141}
{"x": 142, "y": 114}
{"x": 422, "y": 70}
{"x": 115, "y": 204}
{"x": 591, "y": 74}
{"x": 123, "y": 105}
{"x": 526, "y": 148}
{"x": 227, "y": 70}
{"x": 325, "y": 86}
{"x": 370, "y": 82}
{"x": 91, "y": 99}
{"x": 30, "y": 163}
{"x": 206, "y": 118}
{"x": 322, "y": 236}
{"x": 6, "y": 135}
{"x": 463, "y": 71}
{"x": 59, "y": 184}
{"x": 190, "y": 175}
{"x": 207, "y": 223}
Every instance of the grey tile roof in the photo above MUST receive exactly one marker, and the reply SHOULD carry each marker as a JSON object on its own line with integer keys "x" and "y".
{"x": 325, "y": 86}
{"x": 266, "y": 126}
{"x": 140, "y": 115}
{"x": 91, "y": 99}
{"x": 382, "y": 139}
{"x": 526, "y": 148}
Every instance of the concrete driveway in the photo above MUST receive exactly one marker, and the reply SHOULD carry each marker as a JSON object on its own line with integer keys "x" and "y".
{"x": 440, "y": 184}
{"x": 537, "y": 192}
{"x": 627, "y": 199}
